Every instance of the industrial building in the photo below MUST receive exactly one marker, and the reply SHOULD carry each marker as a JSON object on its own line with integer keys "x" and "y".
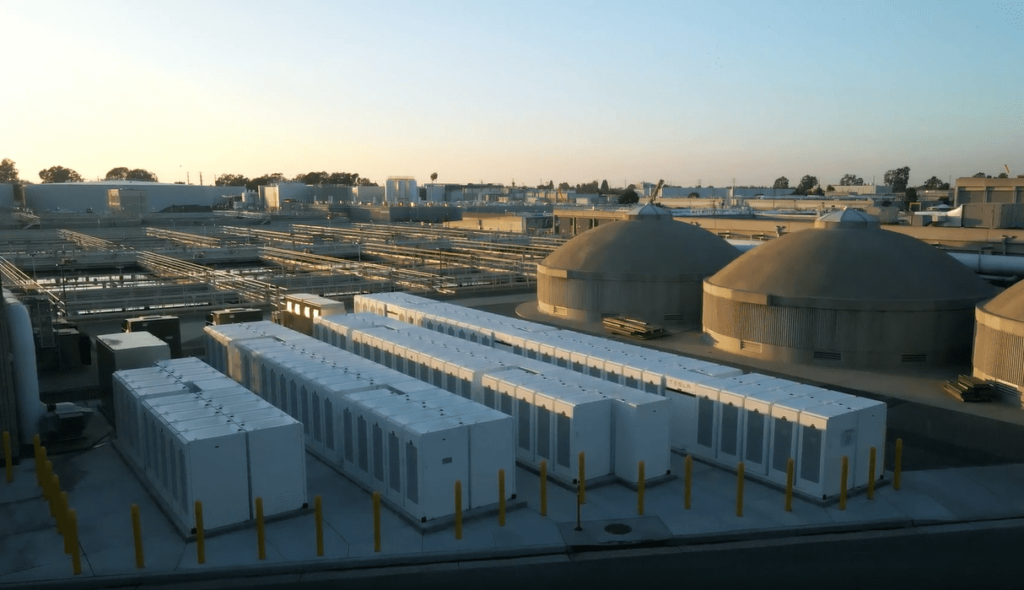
{"x": 646, "y": 267}
{"x": 999, "y": 341}
{"x": 845, "y": 294}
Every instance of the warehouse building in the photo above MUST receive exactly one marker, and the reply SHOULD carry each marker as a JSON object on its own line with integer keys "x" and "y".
{"x": 646, "y": 267}
{"x": 999, "y": 338}
{"x": 845, "y": 294}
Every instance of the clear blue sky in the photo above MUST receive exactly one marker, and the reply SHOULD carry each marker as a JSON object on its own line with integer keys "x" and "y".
{"x": 523, "y": 91}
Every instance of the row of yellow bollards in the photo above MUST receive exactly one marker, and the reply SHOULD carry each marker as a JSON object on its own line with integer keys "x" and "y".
{"x": 65, "y": 517}
{"x": 67, "y": 521}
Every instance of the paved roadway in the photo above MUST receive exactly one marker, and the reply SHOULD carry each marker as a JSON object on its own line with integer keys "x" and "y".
{"x": 947, "y": 556}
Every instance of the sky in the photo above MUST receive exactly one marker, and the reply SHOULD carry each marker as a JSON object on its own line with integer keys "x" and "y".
{"x": 524, "y": 92}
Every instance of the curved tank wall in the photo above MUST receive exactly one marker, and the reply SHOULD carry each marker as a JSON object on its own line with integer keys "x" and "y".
{"x": 999, "y": 338}
{"x": 845, "y": 294}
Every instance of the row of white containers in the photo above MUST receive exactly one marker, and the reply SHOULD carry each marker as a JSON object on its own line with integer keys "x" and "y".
{"x": 194, "y": 434}
{"x": 710, "y": 403}
{"x": 406, "y": 439}
{"x": 557, "y": 413}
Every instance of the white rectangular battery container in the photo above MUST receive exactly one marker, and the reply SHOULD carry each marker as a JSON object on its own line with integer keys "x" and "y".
{"x": 277, "y": 463}
{"x": 827, "y": 433}
{"x": 215, "y": 472}
{"x": 491, "y": 448}
{"x": 785, "y": 434}
{"x": 871, "y": 417}
{"x": 435, "y": 453}
{"x": 582, "y": 423}
{"x": 729, "y": 427}
{"x": 708, "y": 414}
{"x": 757, "y": 421}
{"x": 642, "y": 432}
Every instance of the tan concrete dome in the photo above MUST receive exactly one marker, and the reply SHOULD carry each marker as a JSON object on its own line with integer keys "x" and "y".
{"x": 999, "y": 338}
{"x": 845, "y": 293}
{"x": 646, "y": 266}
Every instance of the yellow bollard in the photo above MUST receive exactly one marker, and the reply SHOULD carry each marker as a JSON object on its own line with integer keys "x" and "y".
{"x": 739, "y": 489}
{"x": 640, "y": 489}
{"x": 458, "y": 509}
{"x": 543, "y": 488}
{"x": 501, "y": 497}
{"x": 76, "y": 558}
{"x": 37, "y": 449}
{"x": 200, "y": 539}
{"x": 376, "y": 520}
{"x": 140, "y": 559}
{"x": 687, "y": 482}
{"x": 789, "y": 485}
{"x": 899, "y": 464}
{"x": 55, "y": 499}
{"x": 261, "y": 533}
{"x": 842, "y": 483}
{"x": 582, "y": 493}
{"x": 8, "y": 457}
{"x": 871, "y": 475}
{"x": 319, "y": 526}
{"x": 63, "y": 508}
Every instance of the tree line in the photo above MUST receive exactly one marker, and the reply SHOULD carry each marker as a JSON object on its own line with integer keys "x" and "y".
{"x": 59, "y": 174}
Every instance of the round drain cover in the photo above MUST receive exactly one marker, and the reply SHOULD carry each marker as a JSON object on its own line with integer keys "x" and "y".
{"x": 618, "y": 529}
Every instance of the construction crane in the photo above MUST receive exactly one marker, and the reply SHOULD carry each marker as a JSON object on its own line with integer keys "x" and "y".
{"x": 1008, "y": 175}
{"x": 656, "y": 191}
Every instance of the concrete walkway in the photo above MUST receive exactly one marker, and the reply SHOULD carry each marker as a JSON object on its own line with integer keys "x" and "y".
{"x": 101, "y": 488}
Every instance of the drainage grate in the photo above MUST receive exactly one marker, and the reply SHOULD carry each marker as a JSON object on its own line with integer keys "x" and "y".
{"x": 820, "y": 355}
{"x": 618, "y": 529}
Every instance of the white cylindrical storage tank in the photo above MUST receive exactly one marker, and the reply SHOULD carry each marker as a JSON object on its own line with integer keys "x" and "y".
{"x": 26, "y": 382}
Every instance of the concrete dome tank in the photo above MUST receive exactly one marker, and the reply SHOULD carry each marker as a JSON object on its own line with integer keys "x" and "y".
{"x": 999, "y": 338}
{"x": 845, "y": 294}
{"x": 646, "y": 266}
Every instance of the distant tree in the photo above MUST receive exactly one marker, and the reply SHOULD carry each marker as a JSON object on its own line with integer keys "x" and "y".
{"x": 140, "y": 174}
{"x": 588, "y": 188}
{"x": 564, "y": 186}
{"x": 851, "y": 180}
{"x": 264, "y": 180}
{"x": 604, "y": 186}
{"x": 898, "y": 179}
{"x": 694, "y": 195}
{"x": 312, "y": 178}
{"x": 781, "y": 182}
{"x": 910, "y": 194}
{"x": 1003, "y": 175}
{"x": 933, "y": 183}
{"x": 58, "y": 174}
{"x": 818, "y": 192}
{"x": 8, "y": 172}
{"x": 433, "y": 177}
{"x": 830, "y": 188}
{"x": 979, "y": 175}
{"x": 231, "y": 180}
{"x": 343, "y": 178}
{"x": 629, "y": 197}
{"x": 366, "y": 182}
{"x": 117, "y": 174}
{"x": 807, "y": 183}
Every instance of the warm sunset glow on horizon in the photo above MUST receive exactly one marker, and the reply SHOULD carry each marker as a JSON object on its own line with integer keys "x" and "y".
{"x": 524, "y": 92}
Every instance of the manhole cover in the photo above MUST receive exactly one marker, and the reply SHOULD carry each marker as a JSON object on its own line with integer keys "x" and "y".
{"x": 618, "y": 529}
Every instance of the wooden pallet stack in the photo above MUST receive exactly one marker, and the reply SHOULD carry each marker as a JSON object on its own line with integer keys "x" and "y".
{"x": 622, "y": 326}
{"x": 970, "y": 389}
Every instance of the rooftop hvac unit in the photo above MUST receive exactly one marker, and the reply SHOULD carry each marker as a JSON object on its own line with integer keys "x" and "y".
{"x": 166, "y": 328}
{"x": 233, "y": 316}
{"x": 117, "y": 352}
